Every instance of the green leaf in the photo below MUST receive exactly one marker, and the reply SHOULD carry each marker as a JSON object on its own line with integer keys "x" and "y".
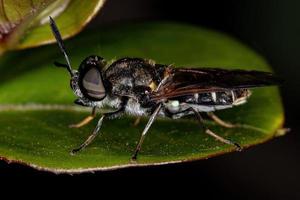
{"x": 24, "y": 24}
{"x": 37, "y": 102}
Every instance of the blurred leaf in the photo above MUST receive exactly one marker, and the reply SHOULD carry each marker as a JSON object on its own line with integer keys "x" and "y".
{"x": 37, "y": 101}
{"x": 24, "y": 23}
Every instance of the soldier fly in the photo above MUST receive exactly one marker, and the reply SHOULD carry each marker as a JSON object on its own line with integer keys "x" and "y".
{"x": 140, "y": 87}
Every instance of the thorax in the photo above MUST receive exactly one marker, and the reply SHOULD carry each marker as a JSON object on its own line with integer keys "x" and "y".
{"x": 129, "y": 74}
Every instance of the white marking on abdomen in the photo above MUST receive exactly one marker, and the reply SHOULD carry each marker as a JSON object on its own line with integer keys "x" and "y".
{"x": 214, "y": 96}
{"x": 233, "y": 95}
{"x": 196, "y": 96}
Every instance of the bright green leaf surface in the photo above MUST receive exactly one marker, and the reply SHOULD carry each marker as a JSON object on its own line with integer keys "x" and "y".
{"x": 24, "y": 23}
{"x": 36, "y": 131}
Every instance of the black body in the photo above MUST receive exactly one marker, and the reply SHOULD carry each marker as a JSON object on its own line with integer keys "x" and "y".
{"x": 141, "y": 87}
{"x": 140, "y": 81}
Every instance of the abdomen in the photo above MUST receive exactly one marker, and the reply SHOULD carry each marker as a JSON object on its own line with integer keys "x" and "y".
{"x": 208, "y": 102}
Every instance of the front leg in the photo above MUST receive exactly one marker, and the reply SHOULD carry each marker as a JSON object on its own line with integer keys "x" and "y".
{"x": 110, "y": 115}
{"x": 86, "y": 120}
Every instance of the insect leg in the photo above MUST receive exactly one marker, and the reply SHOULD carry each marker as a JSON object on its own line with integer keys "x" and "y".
{"x": 85, "y": 120}
{"x": 90, "y": 138}
{"x": 95, "y": 132}
{"x": 151, "y": 120}
{"x": 211, "y": 133}
{"x": 220, "y": 121}
{"x": 137, "y": 121}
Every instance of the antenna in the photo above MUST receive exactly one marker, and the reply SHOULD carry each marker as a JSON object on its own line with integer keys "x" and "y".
{"x": 60, "y": 43}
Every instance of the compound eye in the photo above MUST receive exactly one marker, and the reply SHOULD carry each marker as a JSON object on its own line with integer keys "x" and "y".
{"x": 93, "y": 84}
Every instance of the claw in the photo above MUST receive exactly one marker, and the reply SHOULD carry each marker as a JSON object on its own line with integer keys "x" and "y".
{"x": 238, "y": 147}
{"x": 133, "y": 161}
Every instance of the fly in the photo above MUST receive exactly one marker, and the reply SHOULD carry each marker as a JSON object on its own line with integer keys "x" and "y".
{"x": 140, "y": 87}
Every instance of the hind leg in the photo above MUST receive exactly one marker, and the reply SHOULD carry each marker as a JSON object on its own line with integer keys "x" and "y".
{"x": 211, "y": 133}
{"x": 219, "y": 121}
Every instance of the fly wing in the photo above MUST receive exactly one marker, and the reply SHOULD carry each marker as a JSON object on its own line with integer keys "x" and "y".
{"x": 184, "y": 81}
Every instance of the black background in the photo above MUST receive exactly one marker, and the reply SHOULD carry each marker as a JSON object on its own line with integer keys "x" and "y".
{"x": 268, "y": 171}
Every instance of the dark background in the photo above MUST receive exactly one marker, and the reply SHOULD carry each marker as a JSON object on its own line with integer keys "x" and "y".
{"x": 268, "y": 171}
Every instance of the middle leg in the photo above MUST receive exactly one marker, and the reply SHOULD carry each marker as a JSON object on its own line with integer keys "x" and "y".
{"x": 145, "y": 131}
{"x": 137, "y": 121}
